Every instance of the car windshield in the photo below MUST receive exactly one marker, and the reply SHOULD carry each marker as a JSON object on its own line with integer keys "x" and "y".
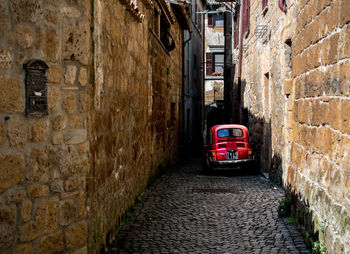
{"x": 230, "y": 132}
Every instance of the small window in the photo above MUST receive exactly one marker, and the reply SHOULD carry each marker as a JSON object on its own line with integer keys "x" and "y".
{"x": 216, "y": 20}
{"x": 214, "y": 64}
{"x": 219, "y": 20}
{"x": 218, "y": 63}
{"x": 228, "y": 133}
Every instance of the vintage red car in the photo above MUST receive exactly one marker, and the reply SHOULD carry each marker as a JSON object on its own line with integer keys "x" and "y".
{"x": 228, "y": 146}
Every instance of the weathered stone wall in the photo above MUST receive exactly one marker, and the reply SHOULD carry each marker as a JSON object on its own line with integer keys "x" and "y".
{"x": 135, "y": 126}
{"x": 320, "y": 162}
{"x": 44, "y": 161}
{"x": 295, "y": 85}
{"x": 114, "y": 110}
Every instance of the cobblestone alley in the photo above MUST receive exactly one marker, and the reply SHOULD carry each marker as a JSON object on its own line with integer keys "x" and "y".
{"x": 185, "y": 211}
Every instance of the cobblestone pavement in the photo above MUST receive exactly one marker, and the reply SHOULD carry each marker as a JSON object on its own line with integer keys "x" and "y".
{"x": 186, "y": 211}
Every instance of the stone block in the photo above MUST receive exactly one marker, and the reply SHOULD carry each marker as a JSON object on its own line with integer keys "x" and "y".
{"x": 16, "y": 196}
{"x": 69, "y": 103}
{"x": 11, "y": 94}
{"x": 319, "y": 138}
{"x": 5, "y": 19}
{"x": 76, "y": 42}
{"x": 38, "y": 191}
{"x": 85, "y": 102}
{"x": 57, "y": 139}
{"x": 49, "y": 43}
{"x": 53, "y": 96}
{"x": 288, "y": 86}
{"x": 70, "y": 74}
{"x": 76, "y": 121}
{"x": 334, "y": 153}
{"x": 51, "y": 16}
{"x": 344, "y": 155}
{"x": 38, "y": 166}
{"x": 26, "y": 210}
{"x": 52, "y": 243}
{"x": 24, "y": 36}
{"x": 7, "y": 227}
{"x": 75, "y": 136}
{"x": 326, "y": 141}
{"x": 345, "y": 116}
{"x": 17, "y": 132}
{"x": 317, "y": 114}
{"x": 344, "y": 77}
{"x": 27, "y": 11}
{"x": 84, "y": 147}
{"x": 347, "y": 43}
{"x": 41, "y": 131}
{"x": 23, "y": 249}
{"x": 54, "y": 74}
{"x": 76, "y": 235}
{"x": 334, "y": 112}
{"x": 68, "y": 212}
{"x": 59, "y": 122}
{"x": 45, "y": 221}
{"x": 57, "y": 186}
{"x": 83, "y": 76}
{"x": 344, "y": 12}
{"x": 303, "y": 111}
{"x": 70, "y": 12}
{"x": 11, "y": 171}
{"x": 333, "y": 50}
{"x": 74, "y": 183}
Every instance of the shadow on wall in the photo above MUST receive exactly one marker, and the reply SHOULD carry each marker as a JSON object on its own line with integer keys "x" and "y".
{"x": 259, "y": 125}
{"x": 260, "y": 134}
{"x": 306, "y": 221}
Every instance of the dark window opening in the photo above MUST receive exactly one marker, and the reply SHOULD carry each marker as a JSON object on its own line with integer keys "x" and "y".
{"x": 161, "y": 28}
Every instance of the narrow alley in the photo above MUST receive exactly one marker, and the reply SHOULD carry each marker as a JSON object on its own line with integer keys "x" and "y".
{"x": 224, "y": 211}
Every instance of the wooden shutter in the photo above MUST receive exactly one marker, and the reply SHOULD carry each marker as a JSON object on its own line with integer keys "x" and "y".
{"x": 246, "y": 16}
{"x": 210, "y": 20}
{"x": 264, "y": 4}
{"x": 209, "y": 63}
{"x": 236, "y": 29}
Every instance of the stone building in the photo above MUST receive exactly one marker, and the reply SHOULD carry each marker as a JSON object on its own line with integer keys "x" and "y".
{"x": 295, "y": 94}
{"x": 90, "y": 111}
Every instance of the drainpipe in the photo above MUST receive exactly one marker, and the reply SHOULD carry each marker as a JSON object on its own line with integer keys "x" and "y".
{"x": 240, "y": 55}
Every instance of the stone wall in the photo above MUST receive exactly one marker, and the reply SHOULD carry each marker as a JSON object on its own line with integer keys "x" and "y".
{"x": 134, "y": 130}
{"x": 114, "y": 111}
{"x": 320, "y": 130}
{"x": 295, "y": 85}
{"x": 44, "y": 160}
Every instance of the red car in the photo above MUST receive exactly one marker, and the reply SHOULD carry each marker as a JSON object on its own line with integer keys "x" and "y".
{"x": 228, "y": 146}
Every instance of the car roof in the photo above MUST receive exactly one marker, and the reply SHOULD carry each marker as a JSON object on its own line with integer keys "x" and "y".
{"x": 224, "y": 126}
